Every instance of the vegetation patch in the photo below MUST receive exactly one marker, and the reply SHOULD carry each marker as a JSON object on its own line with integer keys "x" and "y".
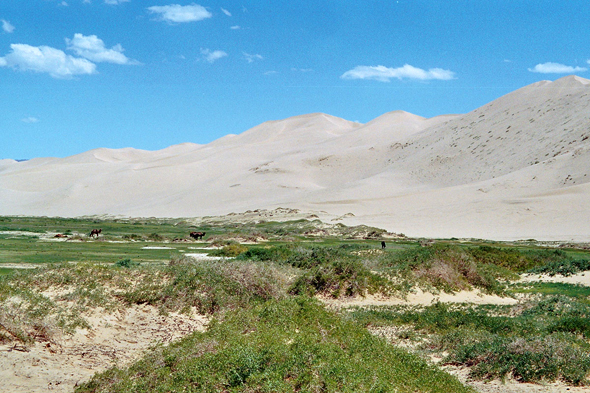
{"x": 446, "y": 267}
{"x": 542, "y": 339}
{"x": 291, "y": 345}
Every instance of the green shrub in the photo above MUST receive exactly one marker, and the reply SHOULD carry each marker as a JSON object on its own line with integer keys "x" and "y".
{"x": 528, "y": 360}
{"x": 565, "y": 267}
{"x": 229, "y": 251}
{"x": 343, "y": 277}
{"x": 156, "y": 237}
{"x": 208, "y": 286}
{"x": 126, "y": 263}
{"x": 272, "y": 253}
{"x": 444, "y": 267}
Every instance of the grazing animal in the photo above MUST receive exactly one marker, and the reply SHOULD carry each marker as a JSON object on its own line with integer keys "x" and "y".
{"x": 197, "y": 235}
{"x": 382, "y": 245}
{"x": 60, "y": 235}
{"x": 95, "y": 232}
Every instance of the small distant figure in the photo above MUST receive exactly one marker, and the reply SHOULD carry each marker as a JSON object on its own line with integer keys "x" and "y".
{"x": 197, "y": 235}
{"x": 382, "y": 245}
{"x": 95, "y": 232}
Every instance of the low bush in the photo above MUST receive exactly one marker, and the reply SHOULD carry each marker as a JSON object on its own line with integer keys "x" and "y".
{"x": 445, "y": 267}
{"x": 565, "y": 267}
{"x": 544, "y": 339}
{"x": 127, "y": 263}
{"x": 208, "y": 286}
{"x": 534, "y": 359}
{"x": 229, "y": 251}
{"x": 343, "y": 277}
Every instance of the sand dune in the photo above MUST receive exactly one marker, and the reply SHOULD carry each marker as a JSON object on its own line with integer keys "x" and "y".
{"x": 518, "y": 167}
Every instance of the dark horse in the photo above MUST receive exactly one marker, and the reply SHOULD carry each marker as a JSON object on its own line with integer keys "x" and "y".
{"x": 197, "y": 235}
{"x": 382, "y": 245}
{"x": 95, "y": 232}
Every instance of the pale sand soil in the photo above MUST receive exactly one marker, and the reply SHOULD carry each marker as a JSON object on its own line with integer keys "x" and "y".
{"x": 116, "y": 338}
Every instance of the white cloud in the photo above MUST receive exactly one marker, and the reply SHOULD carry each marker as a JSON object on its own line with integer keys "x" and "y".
{"x": 115, "y": 2}
{"x": 45, "y": 59}
{"x": 7, "y": 27}
{"x": 30, "y": 119}
{"x": 226, "y": 12}
{"x": 176, "y": 13}
{"x": 93, "y": 48}
{"x": 235, "y": 27}
{"x": 252, "y": 58}
{"x": 301, "y": 69}
{"x": 385, "y": 74}
{"x": 212, "y": 56}
{"x": 555, "y": 68}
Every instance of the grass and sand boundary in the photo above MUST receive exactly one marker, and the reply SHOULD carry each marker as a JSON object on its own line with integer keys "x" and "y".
{"x": 277, "y": 280}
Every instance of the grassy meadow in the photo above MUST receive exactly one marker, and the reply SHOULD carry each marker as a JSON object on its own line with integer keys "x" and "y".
{"x": 269, "y": 330}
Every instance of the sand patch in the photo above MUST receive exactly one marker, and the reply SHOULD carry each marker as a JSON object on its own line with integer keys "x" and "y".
{"x": 115, "y": 338}
{"x": 419, "y": 297}
{"x": 204, "y": 257}
{"x": 582, "y": 278}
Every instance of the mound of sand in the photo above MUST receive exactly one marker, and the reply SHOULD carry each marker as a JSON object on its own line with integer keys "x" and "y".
{"x": 515, "y": 168}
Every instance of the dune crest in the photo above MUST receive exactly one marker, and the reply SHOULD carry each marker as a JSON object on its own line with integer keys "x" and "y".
{"x": 518, "y": 167}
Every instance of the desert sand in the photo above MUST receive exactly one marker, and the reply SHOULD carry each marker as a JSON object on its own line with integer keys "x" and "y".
{"x": 115, "y": 338}
{"x": 516, "y": 168}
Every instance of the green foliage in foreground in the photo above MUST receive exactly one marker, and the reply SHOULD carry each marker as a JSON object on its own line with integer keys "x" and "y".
{"x": 540, "y": 340}
{"x": 292, "y": 345}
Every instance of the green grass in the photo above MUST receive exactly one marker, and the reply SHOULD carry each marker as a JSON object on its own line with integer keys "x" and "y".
{"x": 579, "y": 292}
{"x": 292, "y": 345}
{"x": 27, "y": 250}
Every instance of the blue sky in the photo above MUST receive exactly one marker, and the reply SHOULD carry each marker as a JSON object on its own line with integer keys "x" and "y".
{"x": 81, "y": 74}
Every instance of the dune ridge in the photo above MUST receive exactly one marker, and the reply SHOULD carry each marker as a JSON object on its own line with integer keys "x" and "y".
{"x": 515, "y": 168}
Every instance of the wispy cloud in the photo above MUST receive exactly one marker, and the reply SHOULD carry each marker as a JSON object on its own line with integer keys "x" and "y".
{"x": 226, "y": 12}
{"x": 556, "y": 68}
{"x": 252, "y": 58}
{"x": 236, "y": 27}
{"x": 30, "y": 119}
{"x": 115, "y": 2}
{"x": 45, "y": 59}
{"x": 92, "y": 48}
{"x": 7, "y": 27}
{"x": 301, "y": 69}
{"x": 175, "y": 13}
{"x": 212, "y": 56}
{"x": 385, "y": 74}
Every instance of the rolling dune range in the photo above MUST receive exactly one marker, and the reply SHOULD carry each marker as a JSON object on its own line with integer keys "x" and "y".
{"x": 516, "y": 168}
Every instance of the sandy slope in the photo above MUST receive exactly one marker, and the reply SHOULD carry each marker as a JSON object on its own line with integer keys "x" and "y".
{"x": 518, "y": 167}
{"x": 116, "y": 338}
